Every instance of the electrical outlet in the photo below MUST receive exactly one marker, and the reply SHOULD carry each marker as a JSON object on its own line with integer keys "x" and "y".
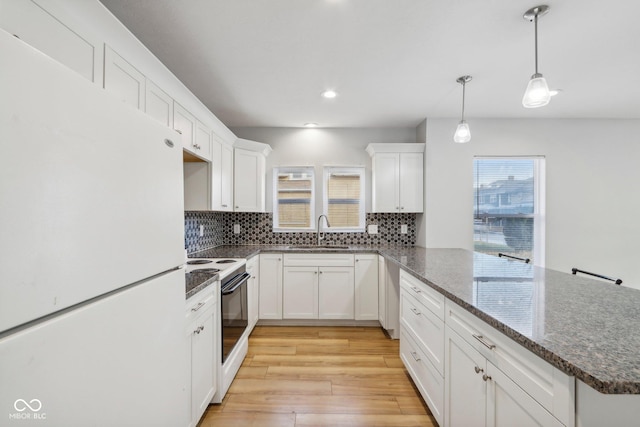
{"x": 201, "y": 230}
{"x": 372, "y": 229}
{"x": 403, "y": 229}
{"x": 236, "y": 228}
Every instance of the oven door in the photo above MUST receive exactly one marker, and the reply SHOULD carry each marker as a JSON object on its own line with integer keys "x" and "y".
{"x": 234, "y": 316}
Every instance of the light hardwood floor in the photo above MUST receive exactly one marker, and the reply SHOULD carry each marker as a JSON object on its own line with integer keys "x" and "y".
{"x": 320, "y": 376}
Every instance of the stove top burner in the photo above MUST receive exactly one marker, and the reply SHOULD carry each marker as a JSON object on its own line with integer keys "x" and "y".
{"x": 199, "y": 261}
{"x": 225, "y": 261}
{"x": 205, "y": 271}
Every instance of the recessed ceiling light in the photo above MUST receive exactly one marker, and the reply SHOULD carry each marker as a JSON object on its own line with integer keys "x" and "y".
{"x": 310, "y": 125}
{"x": 329, "y": 94}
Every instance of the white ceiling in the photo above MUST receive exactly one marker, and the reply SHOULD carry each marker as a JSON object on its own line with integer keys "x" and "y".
{"x": 393, "y": 62}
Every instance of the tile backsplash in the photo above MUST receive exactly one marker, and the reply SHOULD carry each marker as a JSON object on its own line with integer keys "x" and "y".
{"x": 257, "y": 229}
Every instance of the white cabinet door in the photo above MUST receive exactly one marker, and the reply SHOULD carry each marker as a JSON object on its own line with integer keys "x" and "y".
{"x": 124, "y": 80}
{"x": 386, "y": 184}
{"x": 158, "y": 104}
{"x": 202, "y": 144}
{"x": 249, "y": 181}
{"x": 185, "y": 124}
{"x": 270, "y": 306}
{"x": 253, "y": 268}
{"x": 221, "y": 175}
{"x": 411, "y": 182}
{"x": 202, "y": 362}
{"x": 508, "y": 404}
{"x": 300, "y": 293}
{"x": 48, "y": 29}
{"x": 335, "y": 293}
{"x": 465, "y": 390}
{"x": 382, "y": 288}
{"x": 366, "y": 287}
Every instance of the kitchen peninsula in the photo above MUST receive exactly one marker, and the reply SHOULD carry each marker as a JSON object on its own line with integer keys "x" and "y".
{"x": 563, "y": 319}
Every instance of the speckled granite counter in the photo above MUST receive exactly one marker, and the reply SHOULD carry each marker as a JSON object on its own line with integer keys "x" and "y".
{"x": 587, "y": 328}
{"x": 197, "y": 281}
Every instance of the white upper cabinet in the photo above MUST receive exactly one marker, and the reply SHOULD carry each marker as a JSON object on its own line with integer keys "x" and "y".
{"x": 46, "y": 27}
{"x": 123, "y": 79}
{"x": 250, "y": 175}
{"x": 397, "y": 177}
{"x": 221, "y": 175}
{"x": 202, "y": 143}
{"x": 158, "y": 104}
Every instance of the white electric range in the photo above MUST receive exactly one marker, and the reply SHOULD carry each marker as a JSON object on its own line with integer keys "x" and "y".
{"x": 224, "y": 266}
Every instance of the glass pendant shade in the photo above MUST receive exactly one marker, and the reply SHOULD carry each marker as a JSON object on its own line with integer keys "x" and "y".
{"x": 537, "y": 93}
{"x": 463, "y": 134}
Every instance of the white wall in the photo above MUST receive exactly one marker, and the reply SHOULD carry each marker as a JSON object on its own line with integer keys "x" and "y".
{"x": 592, "y": 196}
{"x": 322, "y": 147}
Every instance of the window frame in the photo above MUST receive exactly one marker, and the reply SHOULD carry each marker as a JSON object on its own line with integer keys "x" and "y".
{"x": 276, "y": 218}
{"x": 351, "y": 170}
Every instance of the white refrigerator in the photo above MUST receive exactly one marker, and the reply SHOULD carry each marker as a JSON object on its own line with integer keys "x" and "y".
{"x": 91, "y": 242}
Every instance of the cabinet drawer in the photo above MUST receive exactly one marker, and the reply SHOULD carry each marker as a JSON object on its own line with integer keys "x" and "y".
{"x": 430, "y": 298}
{"x": 201, "y": 302}
{"x": 318, "y": 260}
{"x": 549, "y": 386}
{"x": 425, "y": 327}
{"x": 428, "y": 380}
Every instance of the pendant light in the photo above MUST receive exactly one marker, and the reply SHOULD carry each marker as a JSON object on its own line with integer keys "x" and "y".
{"x": 537, "y": 93}
{"x": 463, "y": 134}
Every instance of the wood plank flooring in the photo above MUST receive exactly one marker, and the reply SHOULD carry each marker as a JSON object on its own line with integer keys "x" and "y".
{"x": 320, "y": 376}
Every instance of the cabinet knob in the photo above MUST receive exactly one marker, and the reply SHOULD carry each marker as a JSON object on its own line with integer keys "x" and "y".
{"x": 224, "y": 206}
{"x": 478, "y": 369}
{"x": 486, "y": 377}
{"x": 179, "y": 131}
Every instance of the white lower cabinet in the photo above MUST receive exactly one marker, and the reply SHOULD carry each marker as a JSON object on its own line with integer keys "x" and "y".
{"x": 366, "y": 286}
{"x": 388, "y": 297}
{"x": 422, "y": 340}
{"x": 270, "y": 299}
{"x": 335, "y": 293}
{"x": 201, "y": 322}
{"x": 300, "y": 293}
{"x": 318, "y": 286}
{"x": 253, "y": 287}
{"x": 469, "y": 374}
{"x": 490, "y": 380}
{"x": 480, "y": 394}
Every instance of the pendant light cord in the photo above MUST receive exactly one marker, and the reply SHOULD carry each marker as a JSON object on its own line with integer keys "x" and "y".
{"x": 464, "y": 83}
{"x": 535, "y": 25}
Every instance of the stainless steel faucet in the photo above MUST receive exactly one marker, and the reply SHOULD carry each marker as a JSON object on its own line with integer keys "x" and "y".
{"x": 318, "y": 238}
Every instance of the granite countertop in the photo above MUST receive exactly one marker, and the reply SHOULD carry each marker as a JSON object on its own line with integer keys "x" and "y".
{"x": 588, "y": 328}
{"x": 197, "y": 281}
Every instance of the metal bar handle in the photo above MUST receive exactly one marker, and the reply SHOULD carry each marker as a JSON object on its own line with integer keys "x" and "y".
{"x": 198, "y": 307}
{"x": 415, "y": 356}
{"x": 616, "y": 281}
{"x": 526, "y": 260}
{"x": 415, "y": 311}
{"x": 483, "y": 342}
{"x": 235, "y": 283}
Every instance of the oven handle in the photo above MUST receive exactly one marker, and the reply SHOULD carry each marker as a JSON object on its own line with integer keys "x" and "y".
{"x": 235, "y": 283}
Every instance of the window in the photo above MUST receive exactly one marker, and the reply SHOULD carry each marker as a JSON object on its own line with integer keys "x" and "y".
{"x": 343, "y": 198}
{"x": 293, "y": 206}
{"x": 509, "y": 207}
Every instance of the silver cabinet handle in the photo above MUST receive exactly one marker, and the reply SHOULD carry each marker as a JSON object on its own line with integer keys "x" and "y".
{"x": 478, "y": 369}
{"x": 483, "y": 342}
{"x": 198, "y": 307}
{"x": 416, "y": 290}
{"x": 415, "y": 311}
{"x": 179, "y": 131}
{"x": 415, "y": 356}
{"x": 224, "y": 206}
{"x": 486, "y": 377}
{"x": 315, "y": 272}
{"x": 199, "y": 329}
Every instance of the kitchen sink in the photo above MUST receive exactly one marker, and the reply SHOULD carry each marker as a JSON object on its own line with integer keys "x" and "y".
{"x": 320, "y": 247}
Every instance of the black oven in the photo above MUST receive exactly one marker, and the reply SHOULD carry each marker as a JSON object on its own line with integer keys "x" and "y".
{"x": 234, "y": 316}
